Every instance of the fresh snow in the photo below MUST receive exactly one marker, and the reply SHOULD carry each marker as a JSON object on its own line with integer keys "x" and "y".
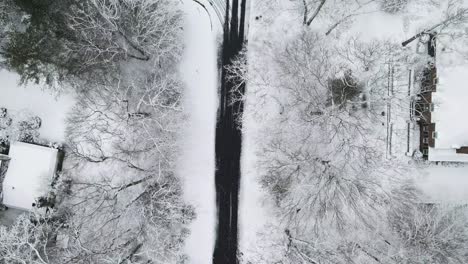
{"x": 450, "y": 99}
{"x": 436, "y": 154}
{"x": 30, "y": 171}
{"x": 52, "y": 109}
{"x": 449, "y": 110}
{"x": 379, "y": 25}
{"x": 197, "y": 164}
{"x": 445, "y": 184}
{"x": 439, "y": 183}
{"x": 253, "y": 215}
{"x": 449, "y": 106}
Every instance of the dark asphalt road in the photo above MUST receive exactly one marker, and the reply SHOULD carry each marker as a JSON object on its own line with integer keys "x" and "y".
{"x": 229, "y": 140}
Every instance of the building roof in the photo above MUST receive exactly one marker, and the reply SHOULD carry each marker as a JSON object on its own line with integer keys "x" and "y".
{"x": 436, "y": 154}
{"x": 29, "y": 174}
{"x": 450, "y": 106}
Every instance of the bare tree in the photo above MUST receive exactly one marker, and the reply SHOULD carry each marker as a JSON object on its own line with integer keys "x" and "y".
{"x": 308, "y": 15}
{"x": 455, "y": 15}
{"x": 116, "y": 30}
{"x": 91, "y": 39}
{"x": 125, "y": 201}
{"x": 127, "y": 204}
{"x": 322, "y": 151}
{"x": 393, "y": 6}
{"x": 321, "y": 159}
{"x": 122, "y": 200}
{"x": 331, "y": 12}
{"x": 429, "y": 233}
{"x": 27, "y": 241}
{"x": 412, "y": 232}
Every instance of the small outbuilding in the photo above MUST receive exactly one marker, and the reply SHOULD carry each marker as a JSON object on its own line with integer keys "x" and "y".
{"x": 29, "y": 175}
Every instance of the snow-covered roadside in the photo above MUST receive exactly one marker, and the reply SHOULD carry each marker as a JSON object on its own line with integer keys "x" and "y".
{"x": 50, "y": 108}
{"x": 253, "y": 216}
{"x": 197, "y": 164}
{"x": 371, "y": 25}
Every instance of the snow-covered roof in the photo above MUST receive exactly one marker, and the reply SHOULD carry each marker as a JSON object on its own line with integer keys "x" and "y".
{"x": 450, "y": 106}
{"x": 450, "y": 102}
{"x": 29, "y": 174}
{"x": 436, "y": 154}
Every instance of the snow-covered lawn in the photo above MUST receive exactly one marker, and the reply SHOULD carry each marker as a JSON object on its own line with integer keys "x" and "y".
{"x": 31, "y": 98}
{"x": 276, "y": 21}
{"x": 440, "y": 183}
{"x": 197, "y": 164}
{"x": 445, "y": 184}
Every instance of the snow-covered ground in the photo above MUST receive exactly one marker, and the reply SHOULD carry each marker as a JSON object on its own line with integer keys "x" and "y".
{"x": 440, "y": 183}
{"x": 50, "y": 108}
{"x": 446, "y": 184}
{"x": 275, "y": 21}
{"x": 197, "y": 164}
{"x": 252, "y": 214}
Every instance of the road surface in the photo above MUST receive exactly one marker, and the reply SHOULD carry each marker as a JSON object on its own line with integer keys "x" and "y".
{"x": 228, "y": 140}
{"x": 196, "y": 165}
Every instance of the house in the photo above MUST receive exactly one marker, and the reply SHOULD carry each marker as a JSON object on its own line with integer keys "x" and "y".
{"x": 441, "y": 105}
{"x": 4, "y": 161}
{"x": 30, "y": 172}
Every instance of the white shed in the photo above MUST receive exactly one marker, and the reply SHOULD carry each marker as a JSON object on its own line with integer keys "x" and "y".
{"x": 29, "y": 174}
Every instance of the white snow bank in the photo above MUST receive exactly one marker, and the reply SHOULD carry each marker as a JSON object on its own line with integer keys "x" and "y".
{"x": 197, "y": 164}
{"x": 30, "y": 171}
{"x": 42, "y": 103}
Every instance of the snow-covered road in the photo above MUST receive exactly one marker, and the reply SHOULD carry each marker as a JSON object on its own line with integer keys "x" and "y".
{"x": 445, "y": 184}
{"x": 197, "y": 164}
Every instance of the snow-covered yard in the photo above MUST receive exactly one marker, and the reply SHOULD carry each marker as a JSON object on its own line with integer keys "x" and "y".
{"x": 31, "y": 98}
{"x": 275, "y": 21}
{"x": 446, "y": 184}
